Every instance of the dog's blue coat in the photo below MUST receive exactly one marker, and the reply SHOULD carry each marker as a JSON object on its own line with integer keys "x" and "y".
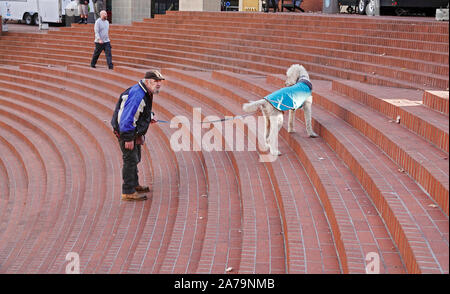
{"x": 292, "y": 97}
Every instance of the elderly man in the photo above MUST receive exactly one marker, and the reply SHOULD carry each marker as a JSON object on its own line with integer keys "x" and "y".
{"x": 131, "y": 119}
{"x": 102, "y": 42}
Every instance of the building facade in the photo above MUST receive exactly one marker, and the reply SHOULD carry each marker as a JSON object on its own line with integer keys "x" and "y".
{"x": 127, "y": 11}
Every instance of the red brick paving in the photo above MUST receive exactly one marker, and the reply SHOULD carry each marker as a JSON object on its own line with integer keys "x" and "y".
{"x": 320, "y": 208}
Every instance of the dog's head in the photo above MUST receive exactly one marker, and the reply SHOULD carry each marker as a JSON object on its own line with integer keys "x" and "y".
{"x": 294, "y": 73}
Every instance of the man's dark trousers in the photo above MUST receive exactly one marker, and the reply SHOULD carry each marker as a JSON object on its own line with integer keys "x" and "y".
{"x": 98, "y": 50}
{"x": 131, "y": 158}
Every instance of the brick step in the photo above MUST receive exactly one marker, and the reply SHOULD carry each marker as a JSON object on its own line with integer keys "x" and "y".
{"x": 122, "y": 221}
{"x": 409, "y": 76}
{"x": 293, "y": 38}
{"x": 91, "y": 161}
{"x": 108, "y": 130}
{"x": 15, "y": 180}
{"x": 222, "y": 242}
{"x": 265, "y": 35}
{"x": 189, "y": 57}
{"x": 255, "y": 259}
{"x": 169, "y": 266}
{"x": 18, "y": 208}
{"x": 246, "y": 52}
{"x": 305, "y": 262}
{"x": 400, "y": 102}
{"x": 418, "y": 170}
{"x": 36, "y": 222}
{"x": 216, "y": 86}
{"x": 214, "y": 191}
{"x": 402, "y": 146}
{"x": 6, "y": 180}
{"x": 348, "y": 21}
{"x": 294, "y": 27}
{"x": 61, "y": 59}
{"x": 265, "y": 42}
{"x": 248, "y": 263}
{"x": 311, "y": 23}
{"x": 436, "y": 100}
{"x": 390, "y": 191}
{"x": 137, "y": 212}
{"x": 19, "y": 158}
{"x": 313, "y": 160}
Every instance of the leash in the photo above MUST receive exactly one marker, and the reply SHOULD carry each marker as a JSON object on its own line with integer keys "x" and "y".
{"x": 213, "y": 121}
{"x": 230, "y": 118}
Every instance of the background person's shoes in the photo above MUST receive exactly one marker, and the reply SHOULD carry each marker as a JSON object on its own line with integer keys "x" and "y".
{"x": 142, "y": 189}
{"x": 134, "y": 197}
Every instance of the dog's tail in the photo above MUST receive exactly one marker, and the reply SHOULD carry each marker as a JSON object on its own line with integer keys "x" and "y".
{"x": 253, "y": 106}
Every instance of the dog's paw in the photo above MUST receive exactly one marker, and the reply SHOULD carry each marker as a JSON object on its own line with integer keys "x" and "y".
{"x": 275, "y": 153}
{"x": 291, "y": 131}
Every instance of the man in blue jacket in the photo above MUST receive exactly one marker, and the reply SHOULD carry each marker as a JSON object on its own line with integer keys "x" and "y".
{"x": 131, "y": 119}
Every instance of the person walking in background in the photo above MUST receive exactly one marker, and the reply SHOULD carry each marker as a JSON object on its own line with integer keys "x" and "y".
{"x": 275, "y": 5}
{"x": 83, "y": 10}
{"x": 130, "y": 121}
{"x": 102, "y": 42}
{"x": 98, "y": 6}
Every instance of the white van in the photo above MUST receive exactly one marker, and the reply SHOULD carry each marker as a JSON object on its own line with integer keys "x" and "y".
{"x": 51, "y": 11}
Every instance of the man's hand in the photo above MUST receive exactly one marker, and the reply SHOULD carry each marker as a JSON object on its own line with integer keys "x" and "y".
{"x": 100, "y": 41}
{"x": 129, "y": 145}
{"x": 140, "y": 140}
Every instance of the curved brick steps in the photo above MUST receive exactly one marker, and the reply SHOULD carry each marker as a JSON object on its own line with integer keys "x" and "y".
{"x": 175, "y": 263}
{"x": 14, "y": 181}
{"x": 313, "y": 255}
{"x": 364, "y": 70}
{"x": 406, "y": 220}
{"x": 320, "y": 208}
{"x": 403, "y": 147}
{"x": 436, "y": 100}
{"x": 345, "y": 21}
{"x": 45, "y": 185}
{"x": 262, "y": 247}
{"x": 5, "y": 182}
{"x": 93, "y": 160}
{"x": 20, "y": 178}
{"x": 217, "y": 242}
{"x": 347, "y": 67}
{"x": 400, "y": 102}
{"x": 256, "y": 258}
{"x": 359, "y": 237}
{"x": 242, "y": 26}
{"x": 303, "y": 254}
{"x": 93, "y": 190}
{"x": 211, "y": 214}
{"x": 114, "y": 267}
{"x": 420, "y": 52}
{"x": 123, "y": 212}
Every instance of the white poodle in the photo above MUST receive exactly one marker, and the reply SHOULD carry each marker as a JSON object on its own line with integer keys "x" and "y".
{"x": 296, "y": 94}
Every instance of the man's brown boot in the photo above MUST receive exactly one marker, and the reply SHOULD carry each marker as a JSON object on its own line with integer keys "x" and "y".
{"x": 142, "y": 189}
{"x": 134, "y": 197}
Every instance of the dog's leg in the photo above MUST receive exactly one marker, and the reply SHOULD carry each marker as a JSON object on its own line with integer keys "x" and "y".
{"x": 276, "y": 122}
{"x": 307, "y": 111}
{"x": 266, "y": 111}
{"x": 291, "y": 121}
